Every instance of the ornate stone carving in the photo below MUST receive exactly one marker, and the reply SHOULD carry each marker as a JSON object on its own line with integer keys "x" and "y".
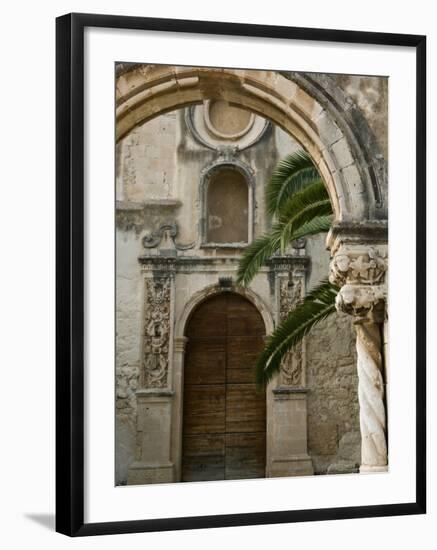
{"x": 299, "y": 244}
{"x": 362, "y": 301}
{"x": 359, "y": 265}
{"x": 167, "y": 231}
{"x": 290, "y": 293}
{"x": 227, "y": 153}
{"x": 156, "y": 332}
{"x": 164, "y": 238}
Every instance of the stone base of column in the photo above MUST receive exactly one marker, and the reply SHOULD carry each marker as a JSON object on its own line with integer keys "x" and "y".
{"x": 299, "y": 465}
{"x": 366, "y": 469}
{"x": 144, "y": 474}
{"x": 289, "y": 452}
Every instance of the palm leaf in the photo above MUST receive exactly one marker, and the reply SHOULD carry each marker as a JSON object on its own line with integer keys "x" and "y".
{"x": 312, "y": 202}
{"x": 256, "y": 255}
{"x": 319, "y": 224}
{"x": 315, "y": 307}
{"x": 292, "y": 174}
{"x": 279, "y": 237}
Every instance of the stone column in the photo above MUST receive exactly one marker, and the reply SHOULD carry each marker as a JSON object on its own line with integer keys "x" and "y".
{"x": 360, "y": 271}
{"x": 178, "y": 414}
{"x": 155, "y": 395}
{"x": 288, "y": 424}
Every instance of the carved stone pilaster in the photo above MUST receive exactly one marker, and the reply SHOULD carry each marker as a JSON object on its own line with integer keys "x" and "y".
{"x": 289, "y": 276}
{"x": 155, "y": 397}
{"x": 156, "y": 332}
{"x": 290, "y": 293}
{"x": 288, "y": 431}
{"x": 158, "y": 319}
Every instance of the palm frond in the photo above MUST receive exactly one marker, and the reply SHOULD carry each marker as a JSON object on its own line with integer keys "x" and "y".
{"x": 314, "y": 308}
{"x": 292, "y": 174}
{"x": 279, "y": 237}
{"x": 256, "y": 254}
{"x": 319, "y": 224}
{"x": 309, "y": 203}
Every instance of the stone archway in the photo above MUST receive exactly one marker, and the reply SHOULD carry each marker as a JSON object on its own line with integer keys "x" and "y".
{"x": 316, "y": 114}
{"x": 328, "y": 125}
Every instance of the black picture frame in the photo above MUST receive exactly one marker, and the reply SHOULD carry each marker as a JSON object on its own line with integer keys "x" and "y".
{"x": 70, "y": 273}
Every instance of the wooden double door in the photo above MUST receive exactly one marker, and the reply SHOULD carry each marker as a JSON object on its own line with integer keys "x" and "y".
{"x": 224, "y": 415}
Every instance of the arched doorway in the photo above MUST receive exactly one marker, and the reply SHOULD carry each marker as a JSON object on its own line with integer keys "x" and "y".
{"x": 224, "y": 415}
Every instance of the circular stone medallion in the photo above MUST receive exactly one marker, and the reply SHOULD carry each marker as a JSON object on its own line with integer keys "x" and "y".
{"x": 216, "y": 123}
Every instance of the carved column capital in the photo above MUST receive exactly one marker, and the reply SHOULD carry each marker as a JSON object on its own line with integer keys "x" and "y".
{"x": 358, "y": 264}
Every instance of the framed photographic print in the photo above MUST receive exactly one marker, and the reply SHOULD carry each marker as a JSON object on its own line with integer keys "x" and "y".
{"x": 240, "y": 274}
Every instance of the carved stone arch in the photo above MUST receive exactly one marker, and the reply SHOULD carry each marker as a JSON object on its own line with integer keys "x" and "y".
{"x": 314, "y": 111}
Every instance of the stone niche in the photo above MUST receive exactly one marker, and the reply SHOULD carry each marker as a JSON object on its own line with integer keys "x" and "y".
{"x": 227, "y": 207}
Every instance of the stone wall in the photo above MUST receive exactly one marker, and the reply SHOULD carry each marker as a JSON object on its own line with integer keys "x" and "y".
{"x": 333, "y": 424}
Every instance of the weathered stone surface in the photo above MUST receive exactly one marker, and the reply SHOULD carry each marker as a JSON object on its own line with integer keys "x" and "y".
{"x": 125, "y": 431}
{"x": 370, "y": 94}
{"x": 332, "y": 399}
{"x": 349, "y": 447}
{"x": 342, "y": 467}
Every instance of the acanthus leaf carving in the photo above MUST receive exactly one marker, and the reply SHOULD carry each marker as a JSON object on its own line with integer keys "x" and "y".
{"x": 358, "y": 265}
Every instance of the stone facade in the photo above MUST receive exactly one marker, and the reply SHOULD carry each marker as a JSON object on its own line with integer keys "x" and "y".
{"x": 166, "y": 266}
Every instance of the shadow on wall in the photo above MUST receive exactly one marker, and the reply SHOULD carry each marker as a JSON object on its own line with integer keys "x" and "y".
{"x": 46, "y": 520}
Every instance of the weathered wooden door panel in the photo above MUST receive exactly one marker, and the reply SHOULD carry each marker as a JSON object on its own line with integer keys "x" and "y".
{"x": 241, "y": 356}
{"x": 243, "y": 319}
{"x": 245, "y": 455}
{"x": 205, "y": 362}
{"x": 204, "y": 457}
{"x": 209, "y": 320}
{"x": 224, "y": 422}
{"x": 204, "y": 409}
{"x": 245, "y": 409}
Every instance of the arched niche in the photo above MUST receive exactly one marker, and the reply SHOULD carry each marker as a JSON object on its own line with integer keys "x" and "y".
{"x": 227, "y": 204}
